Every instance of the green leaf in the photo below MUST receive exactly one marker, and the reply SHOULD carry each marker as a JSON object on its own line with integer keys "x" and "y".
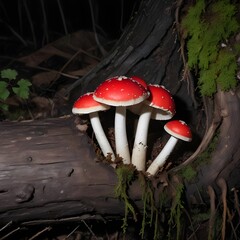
{"x": 10, "y": 74}
{"x": 4, "y": 93}
{"x": 24, "y": 83}
{"x": 23, "y": 90}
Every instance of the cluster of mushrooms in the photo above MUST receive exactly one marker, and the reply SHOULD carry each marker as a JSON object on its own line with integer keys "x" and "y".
{"x": 149, "y": 101}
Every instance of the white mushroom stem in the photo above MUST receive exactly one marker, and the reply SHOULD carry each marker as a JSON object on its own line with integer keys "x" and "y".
{"x": 101, "y": 136}
{"x": 121, "y": 141}
{"x": 162, "y": 156}
{"x": 140, "y": 142}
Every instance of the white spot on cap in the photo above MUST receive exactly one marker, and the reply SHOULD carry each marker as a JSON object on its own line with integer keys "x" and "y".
{"x": 182, "y": 122}
{"x": 121, "y": 78}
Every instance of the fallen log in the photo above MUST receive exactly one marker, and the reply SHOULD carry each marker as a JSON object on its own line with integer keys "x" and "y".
{"x": 49, "y": 171}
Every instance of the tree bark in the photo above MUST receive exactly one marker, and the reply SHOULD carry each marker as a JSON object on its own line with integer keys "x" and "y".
{"x": 224, "y": 160}
{"x": 147, "y": 48}
{"x": 49, "y": 171}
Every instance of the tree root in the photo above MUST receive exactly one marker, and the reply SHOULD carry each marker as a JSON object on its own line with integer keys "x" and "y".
{"x": 223, "y": 186}
{"x": 212, "y": 213}
{"x": 203, "y": 145}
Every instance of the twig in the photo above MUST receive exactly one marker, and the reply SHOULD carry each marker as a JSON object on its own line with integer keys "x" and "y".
{"x": 63, "y": 17}
{"x": 20, "y": 17}
{"x": 236, "y": 201}
{"x": 7, "y": 235}
{"x": 236, "y": 204}
{"x": 194, "y": 233}
{"x": 194, "y": 230}
{"x": 63, "y": 220}
{"x": 230, "y": 221}
{"x": 90, "y": 230}
{"x": 14, "y": 33}
{"x": 222, "y": 184}
{"x": 71, "y": 232}
{"x": 5, "y": 226}
{"x": 55, "y": 71}
{"x": 30, "y": 22}
{"x": 45, "y": 23}
{"x": 101, "y": 48}
{"x": 39, "y": 233}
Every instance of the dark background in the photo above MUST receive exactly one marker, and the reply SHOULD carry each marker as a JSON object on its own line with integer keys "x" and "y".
{"x": 34, "y": 23}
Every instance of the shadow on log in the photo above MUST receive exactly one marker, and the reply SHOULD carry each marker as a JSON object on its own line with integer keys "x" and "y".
{"x": 52, "y": 173}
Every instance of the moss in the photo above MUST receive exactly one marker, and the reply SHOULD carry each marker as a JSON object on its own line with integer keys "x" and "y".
{"x": 152, "y": 208}
{"x": 150, "y": 211}
{"x": 206, "y": 155}
{"x": 199, "y": 216}
{"x": 125, "y": 175}
{"x": 176, "y": 211}
{"x": 205, "y": 28}
{"x": 188, "y": 173}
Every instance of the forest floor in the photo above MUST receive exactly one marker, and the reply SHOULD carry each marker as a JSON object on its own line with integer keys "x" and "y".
{"x": 51, "y": 70}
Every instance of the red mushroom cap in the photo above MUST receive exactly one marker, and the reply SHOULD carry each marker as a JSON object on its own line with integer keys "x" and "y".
{"x": 179, "y": 129}
{"x": 86, "y": 104}
{"x": 120, "y": 91}
{"x": 162, "y": 102}
{"x": 140, "y": 80}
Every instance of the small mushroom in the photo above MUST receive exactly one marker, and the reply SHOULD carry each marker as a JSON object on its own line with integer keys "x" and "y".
{"x": 120, "y": 91}
{"x": 87, "y": 105}
{"x": 178, "y": 130}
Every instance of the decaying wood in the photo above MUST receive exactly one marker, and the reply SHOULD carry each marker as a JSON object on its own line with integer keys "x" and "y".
{"x": 49, "y": 171}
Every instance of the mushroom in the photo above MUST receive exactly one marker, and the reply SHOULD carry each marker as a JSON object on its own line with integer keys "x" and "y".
{"x": 87, "y": 105}
{"x": 136, "y": 109}
{"x": 140, "y": 80}
{"x": 120, "y": 91}
{"x": 159, "y": 106}
{"x": 178, "y": 130}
